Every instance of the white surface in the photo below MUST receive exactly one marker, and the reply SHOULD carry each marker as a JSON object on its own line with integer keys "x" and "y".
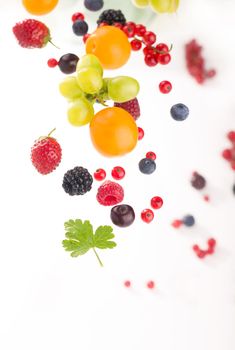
{"x": 51, "y": 301}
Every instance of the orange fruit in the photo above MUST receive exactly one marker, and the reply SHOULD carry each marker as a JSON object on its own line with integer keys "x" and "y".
{"x": 39, "y": 7}
{"x": 110, "y": 45}
{"x": 113, "y": 132}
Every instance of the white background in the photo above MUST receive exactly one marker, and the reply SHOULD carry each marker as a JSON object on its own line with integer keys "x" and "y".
{"x": 51, "y": 301}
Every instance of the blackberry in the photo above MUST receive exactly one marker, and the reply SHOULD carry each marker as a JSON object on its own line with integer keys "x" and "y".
{"x": 112, "y": 16}
{"x": 77, "y": 181}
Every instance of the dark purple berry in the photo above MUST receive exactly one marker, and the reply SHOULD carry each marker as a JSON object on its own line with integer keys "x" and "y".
{"x": 122, "y": 215}
{"x": 68, "y": 63}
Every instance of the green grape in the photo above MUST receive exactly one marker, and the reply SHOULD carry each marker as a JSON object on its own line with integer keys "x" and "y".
{"x": 164, "y": 5}
{"x": 89, "y": 80}
{"x": 104, "y": 91}
{"x": 89, "y": 60}
{"x": 69, "y": 88}
{"x": 122, "y": 89}
{"x": 141, "y": 3}
{"x": 80, "y": 112}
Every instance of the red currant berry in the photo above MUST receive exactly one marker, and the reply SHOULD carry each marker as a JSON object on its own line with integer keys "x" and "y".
{"x": 164, "y": 58}
{"x": 161, "y": 48}
{"x": 52, "y": 62}
{"x": 148, "y": 50}
{"x": 176, "y": 223}
{"x": 201, "y": 254}
{"x": 100, "y": 174}
{"x": 196, "y": 248}
{"x": 206, "y": 198}
{"x": 129, "y": 29}
{"x": 231, "y": 136}
{"x": 140, "y": 30}
{"x": 151, "y": 155}
{"x": 227, "y": 154}
{"x": 211, "y": 242}
{"x": 127, "y": 284}
{"x": 156, "y": 202}
{"x": 136, "y": 45}
{"x": 211, "y": 73}
{"x": 118, "y": 25}
{"x": 118, "y": 173}
{"x": 150, "y": 285}
{"x": 78, "y": 16}
{"x": 140, "y": 133}
{"x": 147, "y": 215}
{"x": 149, "y": 38}
{"x": 165, "y": 87}
{"x": 210, "y": 250}
{"x": 85, "y": 37}
{"x": 150, "y": 60}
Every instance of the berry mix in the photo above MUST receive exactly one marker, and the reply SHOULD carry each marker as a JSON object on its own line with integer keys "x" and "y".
{"x": 113, "y": 130}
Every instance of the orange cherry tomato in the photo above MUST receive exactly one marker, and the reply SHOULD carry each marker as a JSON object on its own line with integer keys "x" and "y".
{"x": 110, "y": 45}
{"x": 39, "y": 7}
{"x": 113, "y": 132}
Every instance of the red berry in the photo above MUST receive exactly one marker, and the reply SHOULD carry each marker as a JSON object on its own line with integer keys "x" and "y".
{"x": 140, "y": 133}
{"x": 227, "y": 154}
{"x": 164, "y": 58}
{"x": 136, "y": 45}
{"x": 110, "y": 193}
{"x": 156, "y": 202}
{"x": 148, "y": 50}
{"x": 211, "y": 73}
{"x": 140, "y": 30}
{"x": 131, "y": 107}
{"x": 210, "y": 250}
{"x": 85, "y": 37}
{"x": 31, "y": 34}
{"x": 52, "y": 62}
{"x": 196, "y": 248}
{"x": 161, "y": 48}
{"x": 46, "y": 154}
{"x": 78, "y": 16}
{"x": 150, "y": 60}
{"x": 149, "y": 38}
{"x": 147, "y": 215}
{"x": 165, "y": 87}
{"x": 99, "y": 174}
{"x": 118, "y": 25}
{"x": 127, "y": 284}
{"x": 233, "y": 165}
{"x": 206, "y": 198}
{"x": 150, "y": 285}
{"x": 151, "y": 155}
{"x": 211, "y": 242}
{"x": 129, "y": 29}
{"x": 201, "y": 254}
{"x": 103, "y": 24}
{"x": 176, "y": 223}
{"x": 118, "y": 173}
{"x": 231, "y": 136}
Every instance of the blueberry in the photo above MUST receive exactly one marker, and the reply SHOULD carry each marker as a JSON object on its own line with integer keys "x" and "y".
{"x": 94, "y": 5}
{"x": 188, "y": 220}
{"x": 179, "y": 112}
{"x": 68, "y": 63}
{"x": 80, "y": 28}
{"x": 122, "y": 215}
{"x": 147, "y": 166}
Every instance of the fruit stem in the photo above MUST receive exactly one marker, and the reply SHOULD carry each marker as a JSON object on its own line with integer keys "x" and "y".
{"x": 100, "y": 262}
{"x": 51, "y": 132}
{"x": 53, "y": 44}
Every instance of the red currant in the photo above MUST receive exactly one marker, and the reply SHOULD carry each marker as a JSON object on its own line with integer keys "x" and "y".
{"x": 127, "y": 284}
{"x": 196, "y": 248}
{"x": 164, "y": 58}
{"x": 162, "y": 48}
{"x": 140, "y": 30}
{"x": 150, "y": 285}
{"x": 149, "y": 38}
{"x": 211, "y": 73}
{"x": 129, "y": 29}
{"x": 151, "y": 155}
{"x": 165, "y": 87}
{"x": 156, "y": 202}
{"x": 227, "y": 154}
{"x": 211, "y": 242}
{"x": 206, "y": 198}
{"x": 78, "y": 16}
{"x": 150, "y": 60}
{"x": 85, "y": 37}
{"x": 136, "y": 45}
{"x": 177, "y": 223}
{"x": 148, "y": 50}
{"x": 52, "y": 62}
{"x": 100, "y": 174}
{"x": 147, "y": 215}
{"x": 118, "y": 173}
{"x": 201, "y": 254}
{"x": 210, "y": 250}
{"x": 140, "y": 133}
{"x": 231, "y": 136}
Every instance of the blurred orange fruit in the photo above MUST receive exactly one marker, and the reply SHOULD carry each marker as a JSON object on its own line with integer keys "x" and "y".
{"x": 39, "y": 7}
{"x": 110, "y": 45}
{"x": 113, "y": 132}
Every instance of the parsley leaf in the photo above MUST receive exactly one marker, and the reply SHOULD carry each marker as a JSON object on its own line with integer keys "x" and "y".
{"x": 80, "y": 238}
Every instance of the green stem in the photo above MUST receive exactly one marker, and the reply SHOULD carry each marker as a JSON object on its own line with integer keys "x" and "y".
{"x": 51, "y": 132}
{"x": 100, "y": 262}
{"x": 53, "y": 44}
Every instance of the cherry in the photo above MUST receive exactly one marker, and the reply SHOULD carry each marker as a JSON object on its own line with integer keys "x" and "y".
{"x": 165, "y": 87}
{"x": 99, "y": 174}
{"x": 151, "y": 155}
{"x": 147, "y": 215}
{"x": 156, "y": 202}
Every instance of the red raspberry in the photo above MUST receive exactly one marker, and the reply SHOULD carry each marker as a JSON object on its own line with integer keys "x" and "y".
{"x": 32, "y": 34}
{"x": 46, "y": 154}
{"x": 131, "y": 106}
{"x": 110, "y": 193}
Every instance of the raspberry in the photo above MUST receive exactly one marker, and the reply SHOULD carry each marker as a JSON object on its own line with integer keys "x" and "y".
{"x": 46, "y": 154}
{"x": 32, "y": 34}
{"x": 131, "y": 106}
{"x": 110, "y": 193}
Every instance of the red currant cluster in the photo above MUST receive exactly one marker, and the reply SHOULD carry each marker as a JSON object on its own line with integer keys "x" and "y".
{"x": 142, "y": 38}
{"x": 117, "y": 173}
{"x": 229, "y": 153}
{"x": 149, "y": 284}
{"x": 196, "y": 63}
{"x": 147, "y": 215}
{"x": 210, "y": 250}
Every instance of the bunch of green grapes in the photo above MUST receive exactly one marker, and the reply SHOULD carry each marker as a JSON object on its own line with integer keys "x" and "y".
{"x": 89, "y": 86}
{"x": 160, "y": 6}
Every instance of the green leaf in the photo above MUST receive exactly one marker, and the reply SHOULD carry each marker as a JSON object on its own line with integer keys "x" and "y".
{"x": 102, "y": 237}
{"x": 70, "y": 245}
{"x": 79, "y": 231}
